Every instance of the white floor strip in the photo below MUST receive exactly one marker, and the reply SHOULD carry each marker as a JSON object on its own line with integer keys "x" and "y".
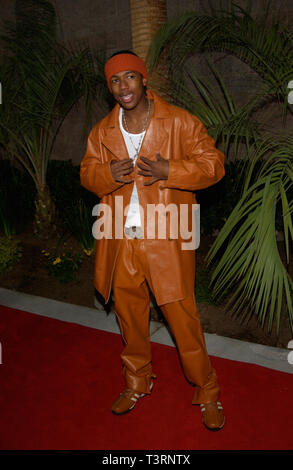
{"x": 228, "y": 348}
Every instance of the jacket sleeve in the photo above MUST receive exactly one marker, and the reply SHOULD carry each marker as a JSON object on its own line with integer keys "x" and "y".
{"x": 96, "y": 175}
{"x": 202, "y": 164}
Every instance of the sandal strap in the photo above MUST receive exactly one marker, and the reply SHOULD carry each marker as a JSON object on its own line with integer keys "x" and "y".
{"x": 219, "y": 406}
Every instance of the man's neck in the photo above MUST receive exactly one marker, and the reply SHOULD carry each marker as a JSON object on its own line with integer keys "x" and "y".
{"x": 136, "y": 117}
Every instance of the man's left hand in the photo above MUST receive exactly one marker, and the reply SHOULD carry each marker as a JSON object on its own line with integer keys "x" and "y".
{"x": 158, "y": 170}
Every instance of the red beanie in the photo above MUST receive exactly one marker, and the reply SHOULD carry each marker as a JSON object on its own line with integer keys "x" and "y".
{"x": 120, "y": 62}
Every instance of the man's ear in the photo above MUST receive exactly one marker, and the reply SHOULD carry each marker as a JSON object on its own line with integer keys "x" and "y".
{"x": 144, "y": 82}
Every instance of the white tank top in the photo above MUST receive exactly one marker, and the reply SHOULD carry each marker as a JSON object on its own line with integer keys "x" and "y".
{"x": 133, "y": 214}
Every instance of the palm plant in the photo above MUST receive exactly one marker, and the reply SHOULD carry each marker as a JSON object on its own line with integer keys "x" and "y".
{"x": 215, "y": 107}
{"x": 15, "y": 212}
{"x": 79, "y": 221}
{"x": 264, "y": 44}
{"x": 249, "y": 260}
{"x": 41, "y": 80}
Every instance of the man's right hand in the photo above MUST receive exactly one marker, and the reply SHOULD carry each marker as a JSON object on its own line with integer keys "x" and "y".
{"x": 120, "y": 168}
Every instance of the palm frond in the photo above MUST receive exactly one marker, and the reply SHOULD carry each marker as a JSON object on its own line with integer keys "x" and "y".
{"x": 251, "y": 262}
{"x": 216, "y": 109}
{"x": 42, "y": 80}
{"x": 266, "y": 45}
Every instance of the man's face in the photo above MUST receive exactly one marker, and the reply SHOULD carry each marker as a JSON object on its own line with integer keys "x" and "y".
{"x": 128, "y": 88}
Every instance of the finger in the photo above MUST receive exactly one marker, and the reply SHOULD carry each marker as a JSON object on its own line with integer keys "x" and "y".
{"x": 124, "y": 173}
{"x": 121, "y": 180}
{"x": 146, "y": 160}
{"x": 143, "y": 167}
{"x": 124, "y": 167}
{"x": 126, "y": 161}
{"x": 117, "y": 162}
{"x": 145, "y": 173}
{"x": 125, "y": 164}
{"x": 117, "y": 173}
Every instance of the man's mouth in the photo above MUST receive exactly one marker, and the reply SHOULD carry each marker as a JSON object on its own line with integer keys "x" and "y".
{"x": 126, "y": 98}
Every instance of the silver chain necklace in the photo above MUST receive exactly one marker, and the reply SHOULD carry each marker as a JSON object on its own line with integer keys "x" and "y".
{"x": 144, "y": 128}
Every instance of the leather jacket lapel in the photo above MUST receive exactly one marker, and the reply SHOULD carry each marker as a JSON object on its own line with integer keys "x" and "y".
{"x": 154, "y": 140}
{"x": 113, "y": 138}
{"x": 113, "y": 141}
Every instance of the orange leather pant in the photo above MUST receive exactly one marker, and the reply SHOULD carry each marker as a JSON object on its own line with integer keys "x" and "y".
{"x": 132, "y": 305}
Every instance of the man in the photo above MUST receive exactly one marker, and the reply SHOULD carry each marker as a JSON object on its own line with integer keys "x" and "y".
{"x": 145, "y": 154}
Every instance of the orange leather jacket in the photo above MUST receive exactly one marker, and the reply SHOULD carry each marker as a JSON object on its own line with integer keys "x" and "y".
{"x": 194, "y": 163}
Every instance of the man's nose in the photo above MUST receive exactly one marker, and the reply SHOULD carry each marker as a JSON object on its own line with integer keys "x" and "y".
{"x": 123, "y": 84}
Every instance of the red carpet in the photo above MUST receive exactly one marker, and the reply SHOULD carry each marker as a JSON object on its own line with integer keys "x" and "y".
{"x": 58, "y": 381}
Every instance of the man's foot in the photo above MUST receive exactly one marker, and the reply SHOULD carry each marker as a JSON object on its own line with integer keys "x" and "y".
{"x": 126, "y": 401}
{"x": 213, "y": 415}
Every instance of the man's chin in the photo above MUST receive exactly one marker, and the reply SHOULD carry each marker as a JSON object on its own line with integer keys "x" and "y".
{"x": 128, "y": 106}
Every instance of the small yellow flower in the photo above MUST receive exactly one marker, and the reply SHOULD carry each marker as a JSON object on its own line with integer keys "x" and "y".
{"x": 47, "y": 254}
{"x": 57, "y": 260}
{"x": 88, "y": 252}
